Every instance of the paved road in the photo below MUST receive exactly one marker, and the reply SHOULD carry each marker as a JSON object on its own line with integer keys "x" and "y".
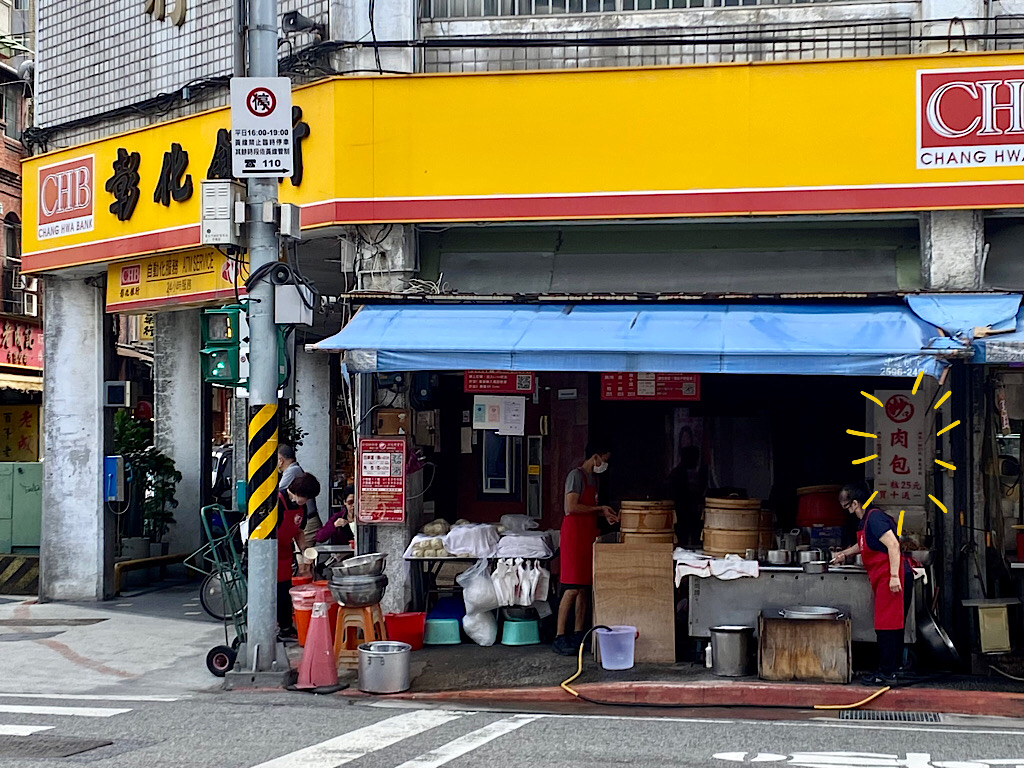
{"x": 280, "y": 730}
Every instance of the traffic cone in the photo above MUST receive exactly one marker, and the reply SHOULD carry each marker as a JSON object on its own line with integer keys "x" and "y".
{"x": 318, "y": 668}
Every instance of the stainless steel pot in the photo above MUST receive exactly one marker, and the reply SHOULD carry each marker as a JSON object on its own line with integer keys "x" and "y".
{"x": 358, "y": 591}
{"x": 816, "y": 566}
{"x": 809, "y": 556}
{"x": 384, "y": 667}
{"x": 810, "y": 612}
{"x": 779, "y": 557}
{"x": 362, "y": 565}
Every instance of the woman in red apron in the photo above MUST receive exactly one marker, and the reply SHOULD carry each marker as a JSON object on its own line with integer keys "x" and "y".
{"x": 576, "y": 545}
{"x": 890, "y": 575}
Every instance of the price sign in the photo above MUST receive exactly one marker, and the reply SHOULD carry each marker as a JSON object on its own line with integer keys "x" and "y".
{"x": 381, "y": 480}
{"x": 261, "y": 127}
{"x": 650, "y": 386}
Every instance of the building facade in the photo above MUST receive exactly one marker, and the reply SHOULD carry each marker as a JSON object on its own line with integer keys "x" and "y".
{"x": 519, "y": 152}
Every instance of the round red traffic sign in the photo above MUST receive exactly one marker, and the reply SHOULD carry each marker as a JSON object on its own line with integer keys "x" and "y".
{"x": 261, "y": 102}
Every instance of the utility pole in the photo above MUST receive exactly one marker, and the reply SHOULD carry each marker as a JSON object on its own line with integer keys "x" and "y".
{"x": 263, "y": 375}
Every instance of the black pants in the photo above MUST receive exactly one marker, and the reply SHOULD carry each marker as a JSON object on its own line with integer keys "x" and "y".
{"x": 284, "y": 606}
{"x": 890, "y": 641}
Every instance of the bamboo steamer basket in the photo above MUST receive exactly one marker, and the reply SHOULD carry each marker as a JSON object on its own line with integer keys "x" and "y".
{"x": 754, "y": 504}
{"x": 644, "y": 537}
{"x": 720, "y": 543}
{"x": 732, "y": 519}
{"x": 647, "y": 516}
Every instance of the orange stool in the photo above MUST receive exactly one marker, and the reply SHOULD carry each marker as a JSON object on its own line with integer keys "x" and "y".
{"x": 355, "y": 626}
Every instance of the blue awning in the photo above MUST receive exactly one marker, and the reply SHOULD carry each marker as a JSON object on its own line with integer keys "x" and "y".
{"x": 1002, "y": 348}
{"x": 873, "y": 340}
{"x": 965, "y": 316}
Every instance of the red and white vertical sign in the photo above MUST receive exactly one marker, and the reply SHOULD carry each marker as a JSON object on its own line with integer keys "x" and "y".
{"x": 381, "y": 483}
{"x": 900, "y": 445}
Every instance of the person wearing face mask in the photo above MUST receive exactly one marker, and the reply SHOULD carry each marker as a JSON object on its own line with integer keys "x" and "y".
{"x": 291, "y": 505}
{"x": 576, "y": 545}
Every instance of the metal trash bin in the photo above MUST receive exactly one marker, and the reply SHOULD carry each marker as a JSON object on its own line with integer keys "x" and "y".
{"x": 731, "y": 650}
{"x": 384, "y": 667}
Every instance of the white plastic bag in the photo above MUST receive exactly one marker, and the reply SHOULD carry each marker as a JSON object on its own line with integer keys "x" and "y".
{"x": 482, "y": 628}
{"x": 518, "y": 523}
{"x": 477, "y": 588}
{"x": 543, "y": 583}
{"x": 472, "y": 540}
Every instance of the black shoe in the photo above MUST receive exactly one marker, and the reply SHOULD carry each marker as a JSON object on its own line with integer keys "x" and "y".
{"x": 878, "y": 680}
{"x": 576, "y": 638}
{"x": 290, "y": 635}
{"x": 563, "y": 646}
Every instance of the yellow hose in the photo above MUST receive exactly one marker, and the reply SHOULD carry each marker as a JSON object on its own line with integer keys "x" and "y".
{"x": 564, "y": 685}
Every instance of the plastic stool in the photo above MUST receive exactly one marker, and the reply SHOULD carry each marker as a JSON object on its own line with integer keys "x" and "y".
{"x": 356, "y": 626}
{"x": 520, "y": 632}
{"x": 442, "y": 632}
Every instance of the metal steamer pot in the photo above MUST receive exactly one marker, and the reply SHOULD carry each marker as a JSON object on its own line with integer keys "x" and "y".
{"x": 779, "y": 557}
{"x": 816, "y": 567}
{"x": 809, "y": 556}
{"x": 818, "y": 612}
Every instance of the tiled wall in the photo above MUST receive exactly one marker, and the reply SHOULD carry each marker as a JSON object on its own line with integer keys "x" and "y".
{"x": 105, "y": 54}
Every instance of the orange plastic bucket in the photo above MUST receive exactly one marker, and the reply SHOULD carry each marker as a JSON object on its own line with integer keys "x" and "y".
{"x": 302, "y": 597}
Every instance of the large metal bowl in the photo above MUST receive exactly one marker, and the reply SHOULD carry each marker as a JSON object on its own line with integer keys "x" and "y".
{"x": 362, "y": 565}
{"x": 358, "y": 591}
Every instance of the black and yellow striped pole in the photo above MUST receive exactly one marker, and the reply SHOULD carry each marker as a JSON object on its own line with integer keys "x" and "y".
{"x": 262, "y": 485}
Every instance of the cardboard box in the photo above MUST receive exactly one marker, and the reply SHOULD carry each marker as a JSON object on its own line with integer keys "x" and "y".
{"x": 393, "y": 421}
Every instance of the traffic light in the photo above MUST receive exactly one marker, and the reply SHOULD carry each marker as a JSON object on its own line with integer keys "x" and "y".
{"x": 222, "y": 339}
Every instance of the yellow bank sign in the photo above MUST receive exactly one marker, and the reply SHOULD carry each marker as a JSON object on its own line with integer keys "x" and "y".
{"x": 769, "y": 138}
{"x": 194, "y": 277}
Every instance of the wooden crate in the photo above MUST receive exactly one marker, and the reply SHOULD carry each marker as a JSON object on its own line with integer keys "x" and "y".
{"x": 634, "y": 585}
{"x": 808, "y": 650}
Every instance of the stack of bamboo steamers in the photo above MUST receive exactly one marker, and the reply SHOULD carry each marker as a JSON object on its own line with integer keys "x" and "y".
{"x": 732, "y": 526}
{"x": 647, "y": 522}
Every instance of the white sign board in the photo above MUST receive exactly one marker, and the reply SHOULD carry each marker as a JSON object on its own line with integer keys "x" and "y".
{"x": 900, "y": 445}
{"x": 261, "y": 127}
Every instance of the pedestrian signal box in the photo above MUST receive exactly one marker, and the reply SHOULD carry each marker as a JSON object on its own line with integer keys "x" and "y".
{"x": 222, "y": 342}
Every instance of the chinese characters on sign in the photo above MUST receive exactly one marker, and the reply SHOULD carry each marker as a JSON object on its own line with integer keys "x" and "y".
{"x": 157, "y": 9}
{"x": 21, "y": 345}
{"x": 171, "y": 172}
{"x": 19, "y": 433}
{"x": 261, "y": 127}
{"x": 500, "y": 382}
{"x": 650, "y": 386}
{"x": 191, "y": 277}
{"x": 220, "y": 164}
{"x": 899, "y": 468}
{"x": 381, "y": 480}
{"x": 124, "y": 184}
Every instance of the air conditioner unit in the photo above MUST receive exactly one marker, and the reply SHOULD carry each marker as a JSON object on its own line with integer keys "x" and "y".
{"x": 18, "y": 282}
{"x": 31, "y": 284}
{"x": 30, "y": 304}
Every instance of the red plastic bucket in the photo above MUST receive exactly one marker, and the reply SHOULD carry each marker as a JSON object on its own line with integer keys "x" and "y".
{"x": 298, "y": 581}
{"x": 819, "y": 505}
{"x": 406, "y": 628}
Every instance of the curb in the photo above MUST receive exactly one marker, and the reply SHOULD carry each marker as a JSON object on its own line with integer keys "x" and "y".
{"x": 716, "y": 694}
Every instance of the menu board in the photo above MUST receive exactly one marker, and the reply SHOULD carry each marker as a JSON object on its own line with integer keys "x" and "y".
{"x": 500, "y": 382}
{"x": 900, "y": 448}
{"x": 650, "y": 386}
{"x": 381, "y": 484}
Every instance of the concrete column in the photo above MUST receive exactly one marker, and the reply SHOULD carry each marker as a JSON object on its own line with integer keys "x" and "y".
{"x": 952, "y": 250}
{"x": 393, "y": 20}
{"x": 74, "y": 524}
{"x": 937, "y": 15}
{"x": 313, "y": 400}
{"x": 177, "y": 416}
{"x": 386, "y": 257}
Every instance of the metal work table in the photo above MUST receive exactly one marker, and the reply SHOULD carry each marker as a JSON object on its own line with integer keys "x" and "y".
{"x": 424, "y": 572}
{"x": 739, "y": 601}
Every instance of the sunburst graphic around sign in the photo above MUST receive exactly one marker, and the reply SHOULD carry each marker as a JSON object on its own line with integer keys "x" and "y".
{"x": 944, "y": 430}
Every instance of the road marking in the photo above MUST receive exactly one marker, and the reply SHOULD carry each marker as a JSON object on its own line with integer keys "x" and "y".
{"x": 17, "y": 709}
{"x": 362, "y": 741}
{"x": 88, "y": 697}
{"x": 193, "y": 613}
{"x": 466, "y": 744}
{"x": 23, "y": 730}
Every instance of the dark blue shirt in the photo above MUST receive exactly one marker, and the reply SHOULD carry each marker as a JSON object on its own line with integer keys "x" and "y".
{"x": 874, "y": 524}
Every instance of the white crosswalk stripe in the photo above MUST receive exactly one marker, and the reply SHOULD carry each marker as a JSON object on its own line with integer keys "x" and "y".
{"x": 24, "y": 709}
{"x": 363, "y": 741}
{"x": 466, "y": 744}
{"x": 23, "y": 730}
{"x": 51, "y": 714}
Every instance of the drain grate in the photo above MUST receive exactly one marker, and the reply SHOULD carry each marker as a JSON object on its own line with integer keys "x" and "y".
{"x": 890, "y": 717}
{"x": 47, "y": 746}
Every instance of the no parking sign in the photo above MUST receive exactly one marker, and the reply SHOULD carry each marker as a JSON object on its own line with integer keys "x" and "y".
{"x": 261, "y": 127}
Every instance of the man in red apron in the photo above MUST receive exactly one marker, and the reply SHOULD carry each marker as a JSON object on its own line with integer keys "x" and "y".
{"x": 576, "y": 545}
{"x": 890, "y": 575}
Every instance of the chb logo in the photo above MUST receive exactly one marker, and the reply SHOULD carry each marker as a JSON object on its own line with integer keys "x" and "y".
{"x": 66, "y": 197}
{"x": 970, "y": 117}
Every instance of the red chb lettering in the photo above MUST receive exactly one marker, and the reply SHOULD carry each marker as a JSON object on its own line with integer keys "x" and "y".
{"x": 131, "y": 275}
{"x": 971, "y": 107}
{"x": 66, "y": 190}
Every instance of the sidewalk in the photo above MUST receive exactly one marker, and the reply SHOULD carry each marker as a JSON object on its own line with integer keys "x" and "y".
{"x": 145, "y": 643}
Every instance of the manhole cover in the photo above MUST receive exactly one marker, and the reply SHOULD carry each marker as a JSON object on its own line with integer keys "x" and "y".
{"x": 47, "y": 746}
{"x": 890, "y": 717}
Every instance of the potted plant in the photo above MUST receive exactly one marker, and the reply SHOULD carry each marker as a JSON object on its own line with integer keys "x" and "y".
{"x": 154, "y": 479}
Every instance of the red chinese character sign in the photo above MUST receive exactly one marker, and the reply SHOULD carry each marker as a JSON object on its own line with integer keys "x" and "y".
{"x": 381, "y": 480}
{"x": 19, "y": 433}
{"x": 21, "y": 345}
{"x": 500, "y": 382}
{"x": 650, "y": 386}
